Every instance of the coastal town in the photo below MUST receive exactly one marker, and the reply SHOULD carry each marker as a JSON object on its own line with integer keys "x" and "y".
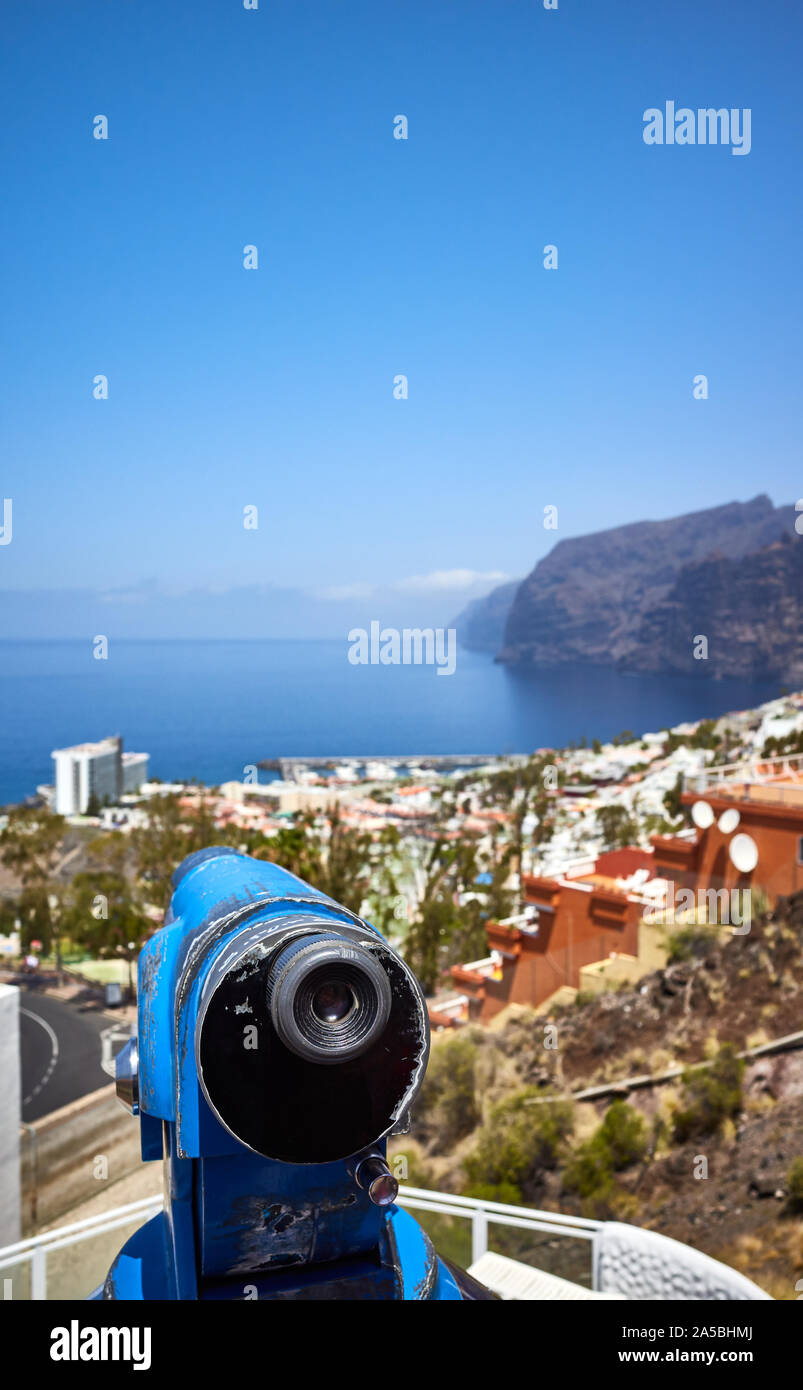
{"x": 504, "y": 879}
{"x": 607, "y": 934}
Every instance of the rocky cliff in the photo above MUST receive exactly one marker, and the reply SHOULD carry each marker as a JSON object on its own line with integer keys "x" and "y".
{"x": 636, "y": 596}
{"x": 481, "y": 625}
{"x": 750, "y": 610}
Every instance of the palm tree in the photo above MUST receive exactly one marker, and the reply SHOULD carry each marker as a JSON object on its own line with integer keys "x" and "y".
{"x": 442, "y": 931}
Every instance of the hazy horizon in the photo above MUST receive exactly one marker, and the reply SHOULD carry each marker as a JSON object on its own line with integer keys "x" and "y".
{"x": 248, "y": 612}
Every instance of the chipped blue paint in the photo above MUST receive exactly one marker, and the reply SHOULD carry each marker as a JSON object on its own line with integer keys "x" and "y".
{"x": 155, "y": 992}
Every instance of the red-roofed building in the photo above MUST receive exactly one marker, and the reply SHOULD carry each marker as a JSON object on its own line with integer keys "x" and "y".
{"x": 758, "y": 804}
{"x": 569, "y": 922}
{"x": 749, "y": 836}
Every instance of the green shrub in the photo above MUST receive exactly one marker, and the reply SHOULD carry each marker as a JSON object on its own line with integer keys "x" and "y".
{"x": 505, "y": 1192}
{"x": 620, "y": 1140}
{"x": 517, "y": 1143}
{"x": 794, "y": 1184}
{"x": 589, "y": 1170}
{"x": 448, "y": 1099}
{"x": 693, "y": 942}
{"x": 624, "y": 1134}
{"x": 711, "y": 1094}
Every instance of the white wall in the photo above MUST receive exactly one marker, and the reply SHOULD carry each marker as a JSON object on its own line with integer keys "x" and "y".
{"x": 64, "y": 804}
{"x": 103, "y": 781}
{"x": 10, "y": 1115}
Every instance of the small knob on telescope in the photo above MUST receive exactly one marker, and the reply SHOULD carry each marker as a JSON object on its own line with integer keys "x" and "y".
{"x": 374, "y": 1177}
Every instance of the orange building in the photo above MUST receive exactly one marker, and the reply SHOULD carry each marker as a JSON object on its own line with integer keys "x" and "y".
{"x": 755, "y": 814}
{"x": 748, "y": 835}
{"x": 572, "y": 922}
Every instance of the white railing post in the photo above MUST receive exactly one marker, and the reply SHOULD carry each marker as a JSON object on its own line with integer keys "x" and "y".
{"x": 595, "y": 1245}
{"x": 479, "y": 1233}
{"x": 39, "y": 1272}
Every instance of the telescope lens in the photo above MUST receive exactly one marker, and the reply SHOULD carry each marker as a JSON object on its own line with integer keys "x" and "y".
{"x": 329, "y": 998}
{"x": 332, "y": 1003}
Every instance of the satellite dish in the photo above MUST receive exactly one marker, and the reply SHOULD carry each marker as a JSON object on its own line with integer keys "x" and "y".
{"x": 743, "y": 853}
{"x": 729, "y": 820}
{"x": 702, "y": 815}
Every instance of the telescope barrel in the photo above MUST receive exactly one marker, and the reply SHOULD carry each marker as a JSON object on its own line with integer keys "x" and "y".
{"x": 280, "y": 1041}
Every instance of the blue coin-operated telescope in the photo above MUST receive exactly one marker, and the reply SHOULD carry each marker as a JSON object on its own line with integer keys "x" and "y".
{"x": 280, "y": 1041}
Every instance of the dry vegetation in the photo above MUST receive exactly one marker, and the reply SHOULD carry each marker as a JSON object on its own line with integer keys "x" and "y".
{"x": 496, "y": 1117}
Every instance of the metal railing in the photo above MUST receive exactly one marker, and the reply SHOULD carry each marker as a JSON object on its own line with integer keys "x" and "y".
{"x": 626, "y": 1260}
{"x": 35, "y": 1250}
{"x": 480, "y": 1213}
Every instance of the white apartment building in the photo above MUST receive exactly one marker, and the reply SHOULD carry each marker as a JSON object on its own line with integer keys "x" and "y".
{"x": 101, "y": 770}
{"x": 135, "y": 771}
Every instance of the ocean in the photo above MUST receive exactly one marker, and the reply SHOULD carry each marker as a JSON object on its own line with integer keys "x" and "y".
{"x": 208, "y": 709}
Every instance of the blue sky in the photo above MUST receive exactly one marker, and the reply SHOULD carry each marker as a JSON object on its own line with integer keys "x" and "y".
{"x": 527, "y": 387}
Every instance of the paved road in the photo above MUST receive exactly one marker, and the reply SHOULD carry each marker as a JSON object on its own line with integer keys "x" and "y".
{"x": 62, "y": 1047}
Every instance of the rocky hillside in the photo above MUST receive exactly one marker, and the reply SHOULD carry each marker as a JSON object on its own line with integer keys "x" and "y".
{"x": 635, "y": 597}
{"x": 499, "y": 1114}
